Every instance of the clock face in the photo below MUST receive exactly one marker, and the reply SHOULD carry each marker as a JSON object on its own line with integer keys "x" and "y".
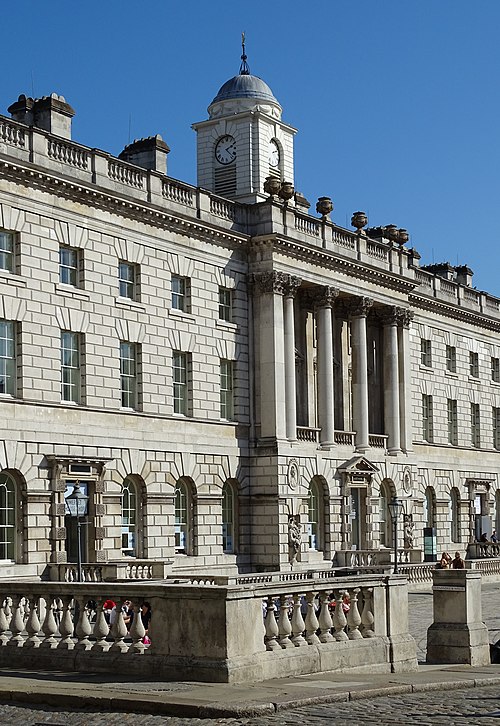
{"x": 225, "y": 150}
{"x": 274, "y": 154}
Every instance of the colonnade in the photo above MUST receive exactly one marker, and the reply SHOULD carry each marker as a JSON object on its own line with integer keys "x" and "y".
{"x": 275, "y": 333}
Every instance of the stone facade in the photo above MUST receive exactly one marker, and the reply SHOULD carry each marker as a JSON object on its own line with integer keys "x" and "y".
{"x": 235, "y": 386}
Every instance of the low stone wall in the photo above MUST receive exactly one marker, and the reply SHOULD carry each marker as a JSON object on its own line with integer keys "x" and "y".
{"x": 213, "y": 632}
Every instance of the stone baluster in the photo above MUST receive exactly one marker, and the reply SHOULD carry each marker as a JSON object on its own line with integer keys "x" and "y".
{"x": 325, "y": 619}
{"x": 66, "y": 628}
{"x": 17, "y": 623}
{"x": 4, "y": 623}
{"x": 367, "y": 617}
{"x": 119, "y": 630}
{"x": 284, "y": 624}
{"x": 312, "y": 624}
{"x": 272, "y": 630}
{"x": 8, "y": 609}
{"x": 101, "y": 630}
{"x": 49, "y": 627}
{"x": 339, "y": 618}
{"x": 298, "y": 625}
{"x": 83, "y": 627}
{"x": 137, "y": 631}
{"x": 33, "y": 624}
{"x": 353, "y": 616}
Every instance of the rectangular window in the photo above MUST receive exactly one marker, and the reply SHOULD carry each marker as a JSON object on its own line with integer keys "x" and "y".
{"x": 474, "y": 364}
{"x": 475, "y": 425}
{"x": 7, "y": 358}
{"x": 496, "y": 428}
{"x": 226, "y": 389}
{"x": 128, "y": 375}
{"x": 180, "y": 293}
{"x": 451, "y": 359}
{"x": 68, "y": 265}
{"x": 452, "y": 422}
{"x": 6, "y": 251}
{"x": 425, "y": 352}
{"x": 427, "y": 418}
{"x": 225, "y": 304}
{"x": 495, "y": 370}
{"x": 181, "y": 376}
{"x": 70, "y": 367}
{"x": 127, "y": 276}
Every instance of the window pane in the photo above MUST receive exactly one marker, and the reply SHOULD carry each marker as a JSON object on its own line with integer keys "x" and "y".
{"x": 7, "y": 251}
{"x": 225, "y": 304}
{"x": 180, "y": 383}
{"x": 127, "y": 280}
{"x": 7, "y": 358}
{"x": 7, "y": 517}
{"x": 128, "y": 375}
{"x": 70, "y": 367}
{"x": 68, "y": 266}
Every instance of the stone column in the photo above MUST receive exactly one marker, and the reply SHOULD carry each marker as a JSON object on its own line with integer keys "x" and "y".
{"x": 405, "y": 318}
{"x": 290, "y": 378}
{"x": 270, "y": 324}
{"x": 324, "y": 301}
{"x": 358, "y": 309}
{"x": 392, "y": 423}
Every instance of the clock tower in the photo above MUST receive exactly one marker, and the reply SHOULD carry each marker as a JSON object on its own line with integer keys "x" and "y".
{"x": 244, "y": 139}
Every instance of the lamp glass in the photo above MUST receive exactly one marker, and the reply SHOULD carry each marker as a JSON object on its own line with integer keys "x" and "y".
{"x": 77, "y": 502}
{"x": 395, "y": 506}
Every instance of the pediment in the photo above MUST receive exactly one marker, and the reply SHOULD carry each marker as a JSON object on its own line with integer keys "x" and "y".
{"x": 358, "y": 465}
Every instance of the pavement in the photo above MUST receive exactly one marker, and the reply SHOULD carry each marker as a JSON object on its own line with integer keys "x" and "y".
{"x": 107, "y": 692}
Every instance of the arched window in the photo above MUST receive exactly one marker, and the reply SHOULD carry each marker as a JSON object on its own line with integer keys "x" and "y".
{"x": 315, "y": 517}
{"x": 130, "y": 518}
{"x": 384, "y": 515}
{"x": 228, "y": 517}
{"x": 183, "y": 518}
{"x": 455, "y": 515}
{"x": 429, "y": 508}
{"x": 8, "y": 507}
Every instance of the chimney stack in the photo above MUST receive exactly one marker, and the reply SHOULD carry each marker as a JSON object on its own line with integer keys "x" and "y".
{"x": 50, "y": 113}
{"x": 150, "y": 153}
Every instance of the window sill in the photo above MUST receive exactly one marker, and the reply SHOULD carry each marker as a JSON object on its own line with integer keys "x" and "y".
{"x": 451, "y": 374}
{"x": 126, "y": 302}
{"x": 429, "y": 369}
{"x": 182, "y": 315}
{"x": 70, "y": 291}
{"x": 12, "y": 279}
{"x": 226, "y": 325}
{"x": 496, "y": 384}
{"x": 474, "y": 379}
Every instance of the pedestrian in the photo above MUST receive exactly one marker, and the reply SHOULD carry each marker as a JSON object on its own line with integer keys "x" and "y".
{"x": 445, "y": 561}
{"x": 458, "y": 563}
{"x": 494, "y": 536}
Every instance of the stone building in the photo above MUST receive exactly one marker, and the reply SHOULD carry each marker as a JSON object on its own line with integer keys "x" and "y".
{"x": 236, "y": 384}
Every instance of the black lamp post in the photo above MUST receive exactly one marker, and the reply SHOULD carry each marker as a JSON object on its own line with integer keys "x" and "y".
{"x": 77, "y": 505}
{"x": 395, "y": 507}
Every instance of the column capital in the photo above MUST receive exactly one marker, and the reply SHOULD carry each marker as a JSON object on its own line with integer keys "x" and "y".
{"x": 358, "y": 307}
{"x": 390, "y": 314}
{"x": 405, "y": 317}
{"x": 323, "y": 297}
{"x": 271, "y": 281}
{"x": 292, "y": 285}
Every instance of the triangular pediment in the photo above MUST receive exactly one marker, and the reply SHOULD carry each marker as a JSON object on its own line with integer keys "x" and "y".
{"x": 358, "y": 465}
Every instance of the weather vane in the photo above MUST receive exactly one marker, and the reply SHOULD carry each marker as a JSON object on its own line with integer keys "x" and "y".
{"x": 244, "y": 68}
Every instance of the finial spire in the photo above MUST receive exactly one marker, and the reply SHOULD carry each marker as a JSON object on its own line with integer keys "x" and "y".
{"x": 244, "y": 68}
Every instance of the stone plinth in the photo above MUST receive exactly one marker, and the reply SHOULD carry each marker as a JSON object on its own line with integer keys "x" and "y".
{"x": 457, "y": 634}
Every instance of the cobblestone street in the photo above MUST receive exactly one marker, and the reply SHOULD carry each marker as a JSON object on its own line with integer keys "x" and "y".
{"x": 452, "y": 706}
{"x": 472, "y": 706}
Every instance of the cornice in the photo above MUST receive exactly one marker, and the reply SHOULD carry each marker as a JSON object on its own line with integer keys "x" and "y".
{"x": 333, "y": 261}
{"x": 122, "y": 205}
{"x": 454, "y": 311}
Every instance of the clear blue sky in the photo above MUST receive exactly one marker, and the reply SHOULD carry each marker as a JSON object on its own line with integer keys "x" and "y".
{"x": 397, "y": 102}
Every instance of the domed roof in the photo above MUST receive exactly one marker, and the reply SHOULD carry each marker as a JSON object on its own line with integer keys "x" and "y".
{"x": 245, "y": 85}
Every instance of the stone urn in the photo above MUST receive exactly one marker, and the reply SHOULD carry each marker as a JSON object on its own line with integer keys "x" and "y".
{"x": 272, "y": 185}
{"x": 391, "y": 232}
{"x": 403, "y": 236}
{"x": 324, "y": 206}
{"x": 359, "y": 220}
{"x": 286, "y": 191}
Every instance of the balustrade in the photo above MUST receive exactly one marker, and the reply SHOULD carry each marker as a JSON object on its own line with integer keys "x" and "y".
{"x": 12, "y": 134}
{"x": 126, "y": 174}
{"x": 306, "y": 433}
{"x": 178, "y": 192}
{"x": 223, "y": 208}
{"x": 68, "y": 153}
{"x": 64, "y": 625}
{"x": 307, "y": 225}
